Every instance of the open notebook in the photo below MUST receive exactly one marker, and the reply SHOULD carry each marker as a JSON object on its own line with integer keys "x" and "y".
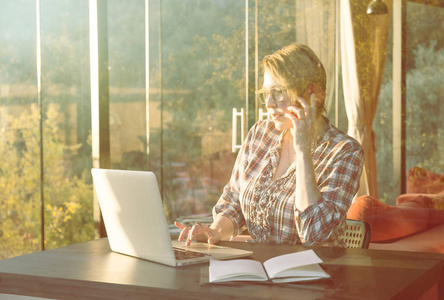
{"x": 135, "y": 221}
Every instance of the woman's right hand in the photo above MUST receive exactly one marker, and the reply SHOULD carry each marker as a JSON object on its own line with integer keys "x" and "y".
{"x": 199, "y": 232}
{"x": 303, "y": 117}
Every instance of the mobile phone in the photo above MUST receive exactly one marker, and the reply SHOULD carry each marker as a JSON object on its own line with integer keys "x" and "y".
{"x": 315, "y": 89}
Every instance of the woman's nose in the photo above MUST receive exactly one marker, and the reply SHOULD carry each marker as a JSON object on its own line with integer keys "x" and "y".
{"x": 269, "y": 102}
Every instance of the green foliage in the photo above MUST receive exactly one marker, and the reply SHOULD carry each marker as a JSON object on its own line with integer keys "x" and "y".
{"x": 423, "y": 117}
{"x": 424, "y": 112}
{"x": 68, "y": 199}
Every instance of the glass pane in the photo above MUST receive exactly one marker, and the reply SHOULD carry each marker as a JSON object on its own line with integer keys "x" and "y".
{"x": 66, "y": 123}
{"x": 126, "y": 52}
{"x": 68, "y": 195}
{"x": 203, "y": 79}
{"x": 383, "y": 127}
{"x": 425, "y": 89}
{"x": 20, "y": 221}
{"x": 424, "y": 127}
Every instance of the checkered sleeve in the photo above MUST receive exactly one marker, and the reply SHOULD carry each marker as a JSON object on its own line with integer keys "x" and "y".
{"x": 322, "y": 222}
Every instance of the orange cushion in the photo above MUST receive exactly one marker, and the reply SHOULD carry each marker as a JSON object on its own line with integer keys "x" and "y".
{"x": 389, "y": 223}
{"x": 435, "y": 201}
{"x": 418, "y": 200}
{"x": 420, "y": 180}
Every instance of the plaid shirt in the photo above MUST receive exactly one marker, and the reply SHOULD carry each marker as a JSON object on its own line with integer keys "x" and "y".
{"x": 253, "y": 201}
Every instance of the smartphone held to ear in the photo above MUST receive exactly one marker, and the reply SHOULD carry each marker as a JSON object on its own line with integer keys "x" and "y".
{"x": 319, "y": 94}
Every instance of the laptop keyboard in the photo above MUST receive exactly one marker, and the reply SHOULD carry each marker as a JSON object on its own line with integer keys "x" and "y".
{"x": 186, "y": 254}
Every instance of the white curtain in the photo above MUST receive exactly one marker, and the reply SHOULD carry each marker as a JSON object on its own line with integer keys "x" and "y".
{"x": 363, "y": 50}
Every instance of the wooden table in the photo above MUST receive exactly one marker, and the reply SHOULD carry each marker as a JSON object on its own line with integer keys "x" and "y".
{"x": 92, "y": 271}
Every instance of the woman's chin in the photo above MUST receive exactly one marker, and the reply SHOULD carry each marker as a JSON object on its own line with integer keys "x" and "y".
{"x": 282, "y": 125}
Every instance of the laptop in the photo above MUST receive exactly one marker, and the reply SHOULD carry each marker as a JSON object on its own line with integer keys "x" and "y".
{"x": 136, "y": 225}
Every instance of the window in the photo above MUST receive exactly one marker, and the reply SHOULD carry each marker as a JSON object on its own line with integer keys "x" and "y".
{"x": 176, "y": 69}
{"x": 424, "y": 91}
{"x": 62, "y": 184}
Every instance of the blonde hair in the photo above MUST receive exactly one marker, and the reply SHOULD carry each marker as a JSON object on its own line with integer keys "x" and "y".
{"x": 296, "y": 66}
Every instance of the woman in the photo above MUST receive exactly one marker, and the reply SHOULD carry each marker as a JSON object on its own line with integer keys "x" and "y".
{"x": 296, "y": 174}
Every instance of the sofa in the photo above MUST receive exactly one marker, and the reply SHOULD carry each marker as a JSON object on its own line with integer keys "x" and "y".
{"x": 415, "y": 223}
